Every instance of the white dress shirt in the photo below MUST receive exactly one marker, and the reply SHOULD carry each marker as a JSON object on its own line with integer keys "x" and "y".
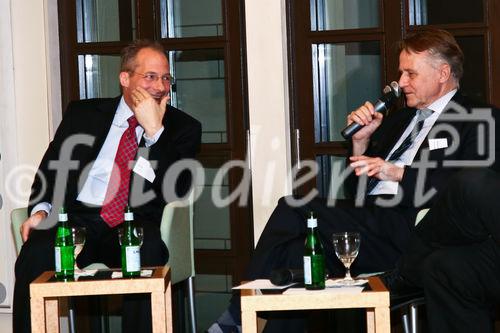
{"x": 391, "y": 187}
{"x": 94, "y": 189}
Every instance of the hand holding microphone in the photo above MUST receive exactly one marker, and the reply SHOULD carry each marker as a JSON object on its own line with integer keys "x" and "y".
{"x": 365, "y": 121}
{"x": 365, "y": 114}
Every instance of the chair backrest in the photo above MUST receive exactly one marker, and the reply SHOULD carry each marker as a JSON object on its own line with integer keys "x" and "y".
{"x": 177, "y": 233}
{"x": 17, "y": 217}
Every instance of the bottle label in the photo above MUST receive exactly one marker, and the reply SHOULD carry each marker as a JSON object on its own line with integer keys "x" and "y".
{"x": 57, "y": 251}
{"x": 312, "y": 223}
{"x": 133, "y": 258}
{"x": 64, "y": 258}
{"x": 307, "y": 270}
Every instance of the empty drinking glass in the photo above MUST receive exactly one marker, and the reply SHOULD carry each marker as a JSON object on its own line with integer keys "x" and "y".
{"x": 346, "y": 245}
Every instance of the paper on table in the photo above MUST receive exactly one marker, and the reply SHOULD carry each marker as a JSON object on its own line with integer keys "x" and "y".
{"x": 144, "y": 273}
{"x": 340, "y": 283}
{"x": 261, "y": 284}
{"x": 343, "y": 290}
{"x": 84, "y": 272}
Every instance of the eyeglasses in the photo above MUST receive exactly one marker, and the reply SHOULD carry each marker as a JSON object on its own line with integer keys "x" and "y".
{"x": 153, "y": 77}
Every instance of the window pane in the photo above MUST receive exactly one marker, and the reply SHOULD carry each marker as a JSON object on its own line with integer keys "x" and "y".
{"x": 98, "y": 76}
{"x": 105, "y": 20}
{"x": 216, "y": 234}
{"x": 191, "y": 18}
{"x": 474, "y": 81}
{"x": 344, "y": 77}
{"x": 200, "y": 90}
{"x": 344, "y": 14}
{"x": 423, "y": 12}
{"x": 328, "y": 180}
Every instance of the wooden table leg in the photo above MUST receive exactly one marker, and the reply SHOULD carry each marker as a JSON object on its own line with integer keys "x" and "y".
{"x": 37, "y": 315}
{"x": 382, "y": 320}
{"x": 168, "y": 307}
{"x": 52, "y": 314}
{"x": 370, "y": 320}
{"x": 158, "y": 312}
{"x": 249, "y": 321}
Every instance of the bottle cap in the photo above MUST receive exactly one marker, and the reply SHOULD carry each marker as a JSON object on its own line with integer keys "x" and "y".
{"x": 312, "y": 222}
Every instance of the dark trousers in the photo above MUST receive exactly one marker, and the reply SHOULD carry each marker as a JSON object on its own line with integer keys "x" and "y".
{"x": 455, "y": 255}
{"x": 384, "y": 235}
{"x": 101, "y": 245}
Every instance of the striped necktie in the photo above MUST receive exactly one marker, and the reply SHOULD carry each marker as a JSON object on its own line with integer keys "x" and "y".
{"x": 408, "y": 141}
{"x": 118, "y": 187}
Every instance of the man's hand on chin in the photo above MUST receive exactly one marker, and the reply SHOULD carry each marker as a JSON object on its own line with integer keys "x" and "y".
{"x": 148, "y": 112}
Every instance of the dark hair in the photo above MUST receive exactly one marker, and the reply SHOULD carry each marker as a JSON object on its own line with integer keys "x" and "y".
{"x": 129, "y": 53}
{"x": 440, "y": 44}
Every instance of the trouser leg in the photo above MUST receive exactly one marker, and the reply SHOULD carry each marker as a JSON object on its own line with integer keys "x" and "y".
{"x": 136, "y": 316}
{"x": 281, "y": 245}
{"x": 36, "y": 257}
{"x": 103, "y": 246}
{"x": 384, "y": 233}
{"x": 284, "y": 226}
{"x": 461, "y": 286}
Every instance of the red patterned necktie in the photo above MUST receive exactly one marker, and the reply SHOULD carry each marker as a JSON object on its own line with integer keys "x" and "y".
{"x": 118, "y": 187}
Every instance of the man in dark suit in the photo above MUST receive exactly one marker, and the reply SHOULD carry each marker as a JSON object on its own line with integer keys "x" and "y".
{"x": 408, "y": 157}
{"x": 80, "y": 171}
{"x": 454, "y": 256}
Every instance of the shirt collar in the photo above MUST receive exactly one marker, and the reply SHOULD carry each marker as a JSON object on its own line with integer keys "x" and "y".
{"x": 123, "y": 112}
{"x": 439, "y": 104}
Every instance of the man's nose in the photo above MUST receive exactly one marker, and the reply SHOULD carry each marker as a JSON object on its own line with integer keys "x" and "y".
{"x": 159, "y": 85}
{"x": 403, "y": 82}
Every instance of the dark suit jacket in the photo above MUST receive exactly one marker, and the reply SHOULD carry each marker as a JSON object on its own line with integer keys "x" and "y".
{"x": 180, "y": 140}
{"x": 464, "y": 132}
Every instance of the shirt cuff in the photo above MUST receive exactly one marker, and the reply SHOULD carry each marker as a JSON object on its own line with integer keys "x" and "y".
{"x": 45, "y": 206}
{"x": 151, "y": 141}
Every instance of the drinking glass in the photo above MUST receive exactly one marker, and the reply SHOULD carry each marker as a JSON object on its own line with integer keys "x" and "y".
{"x": 138, "y": 233}
{"x": 346, "y": 245}
{"x": 78, "y": 234}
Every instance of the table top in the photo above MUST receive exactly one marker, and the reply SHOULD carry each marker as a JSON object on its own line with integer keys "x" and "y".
{"x": 101, "y": 284}
{"x": 376, "y": 295}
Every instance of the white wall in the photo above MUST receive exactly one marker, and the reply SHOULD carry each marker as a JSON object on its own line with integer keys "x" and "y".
{"x": 29, "y": 88}
{"x": 268, "y": 106}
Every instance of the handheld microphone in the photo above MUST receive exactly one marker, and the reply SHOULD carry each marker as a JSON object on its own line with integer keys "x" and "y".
{"x": 281, "y": 277}
{"x": 391, "y": 94}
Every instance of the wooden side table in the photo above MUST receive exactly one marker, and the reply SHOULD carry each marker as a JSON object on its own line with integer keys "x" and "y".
{"x": 45, "y": 291}
{"x": 376, "y": 301}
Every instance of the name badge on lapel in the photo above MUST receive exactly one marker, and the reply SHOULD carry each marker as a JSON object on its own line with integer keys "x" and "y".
{"x": 438, "y": 143}
{"x": 143, "y": 168}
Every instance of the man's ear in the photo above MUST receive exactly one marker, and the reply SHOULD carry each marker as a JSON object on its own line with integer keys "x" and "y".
{"x": 444, "y": 72}
{"x": 124, "y": 79}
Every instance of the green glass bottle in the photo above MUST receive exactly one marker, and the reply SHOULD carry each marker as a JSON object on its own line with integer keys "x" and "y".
{"x": 131, "y": 247}
{"x": 314, "y": 259}
{"x": 64, "y": 249}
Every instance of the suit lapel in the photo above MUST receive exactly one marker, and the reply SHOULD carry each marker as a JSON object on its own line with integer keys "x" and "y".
{"x": 457, "y": 98}
{"x": 396, "y": 130}
{"x": 106, "y": 114}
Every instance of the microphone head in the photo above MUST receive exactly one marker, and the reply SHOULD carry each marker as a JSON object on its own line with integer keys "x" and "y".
{"x": 395, "y": 88}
